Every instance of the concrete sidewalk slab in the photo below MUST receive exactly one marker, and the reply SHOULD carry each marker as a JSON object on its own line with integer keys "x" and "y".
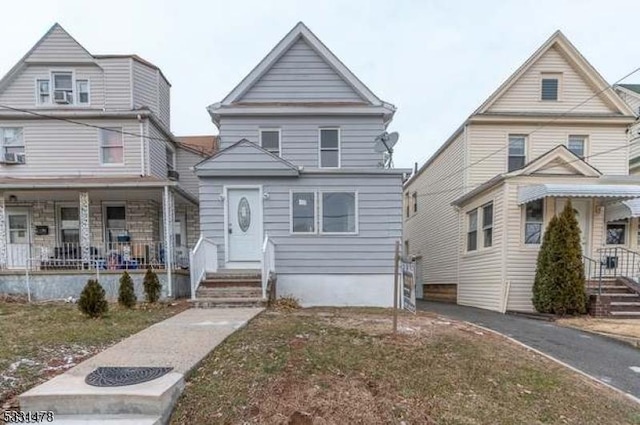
{"x": 181, "y": 342}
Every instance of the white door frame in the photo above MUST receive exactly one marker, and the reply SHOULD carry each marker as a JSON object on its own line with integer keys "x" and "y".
{"x": 225, "y": 191}
{"x": 18, "y": 210}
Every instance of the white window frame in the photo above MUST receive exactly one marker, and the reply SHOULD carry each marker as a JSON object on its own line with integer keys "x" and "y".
{"x": 100, "y": 147}
{"x": 526, "y": 149}
{"x": 320, "y": 149}
{"x": 585, "y": 144}
{"x": 53, "y": 89}
{"x": 550, "y": 76}
{"x": 76, "y": 95}
{"x": 38, "y": 102}
{"x": 59, "y": 207}
{"x": 3, "y": 147}
{"x": 626, "y": 233}
{"x": 261, "y": 130}
{"x": 487, "y": 227}
{"x": 524, "y": 225}
{"x": 469, "y": 231}
{"x": 321, "y": 208}
{"x": 315, "y": 211}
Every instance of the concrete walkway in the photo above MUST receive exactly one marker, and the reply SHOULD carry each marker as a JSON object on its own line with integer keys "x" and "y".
{"x": 181, "y": 342}
{"x": 609, "y": 360}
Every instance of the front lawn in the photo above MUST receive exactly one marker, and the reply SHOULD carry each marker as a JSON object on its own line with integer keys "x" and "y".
{"x": 339, "y": 366}
{"x": 39, "y": 341}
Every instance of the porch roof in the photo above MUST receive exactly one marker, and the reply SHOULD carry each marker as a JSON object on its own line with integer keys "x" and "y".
{"x": 606, "y": 191}
{"x": 624, "y": 209}
{"x": 82, "y": 182}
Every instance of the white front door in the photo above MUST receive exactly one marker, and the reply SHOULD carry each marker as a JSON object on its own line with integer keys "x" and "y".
{"x": 582, "y": 207}
{"x": 18, "y": 238}
{"x": 244, "y": 226}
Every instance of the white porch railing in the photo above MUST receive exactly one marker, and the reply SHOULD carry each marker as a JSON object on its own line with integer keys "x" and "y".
{"x": 268, "y": 262}
{"x": 203, "y": 258}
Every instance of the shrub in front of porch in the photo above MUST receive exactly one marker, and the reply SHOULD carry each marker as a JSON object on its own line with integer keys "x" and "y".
{"x": 126, "y": 293}
{"x": 559, "y": 285}
{"x": 151, "y": 286}
{"x": 92, "y": 300}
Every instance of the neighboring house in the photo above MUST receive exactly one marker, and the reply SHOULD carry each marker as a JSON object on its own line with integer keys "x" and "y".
{"x": 630, "y": 93}
{"x": 477, "y": 209}
{"x": 90, "y": 175}
{"x": 297, "y": 166}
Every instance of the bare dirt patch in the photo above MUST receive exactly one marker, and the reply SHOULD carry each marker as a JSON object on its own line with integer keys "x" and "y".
{"x": 337, "y": 366}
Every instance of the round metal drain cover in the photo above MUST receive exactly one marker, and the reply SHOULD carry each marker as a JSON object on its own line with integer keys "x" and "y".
{"x": 121, "y": 376}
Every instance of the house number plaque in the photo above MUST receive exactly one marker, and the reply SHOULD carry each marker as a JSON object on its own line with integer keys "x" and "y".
{"x": 244, "y": 214}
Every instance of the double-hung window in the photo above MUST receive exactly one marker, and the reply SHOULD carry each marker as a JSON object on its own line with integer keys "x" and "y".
{"x": 303, "y": 212}
{"x": 12, "y": 144}
{"x": 62, "y": 87}
{"x": 472, "y": 230}
{"x": 270, "y": 140}
{"x": 44, "y": 92}
{"x": 115, "y": 222}
{"x": 487, "y": 225}
{"x": 111, "y": 146}
{"x": 517, "y": 151}
{"x": 82, "y": 91}
{"x": 69, "y": 224}
{"x": 577, "y": 145}
{"x": 533, "y": 222}
{"x": 329, "y": 148}
{"x": 339, "y": 212}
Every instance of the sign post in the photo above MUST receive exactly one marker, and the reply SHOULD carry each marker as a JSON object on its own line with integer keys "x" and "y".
{"x": 396, "y": 260}
{"x": 408, "y": 285}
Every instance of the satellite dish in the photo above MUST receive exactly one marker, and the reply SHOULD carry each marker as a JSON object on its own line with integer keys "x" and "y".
{"x": 384, "y": 145}
{"x": 385, "y": 142}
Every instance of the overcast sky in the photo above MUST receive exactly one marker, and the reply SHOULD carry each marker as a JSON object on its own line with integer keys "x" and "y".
{"x": 435, "y": 60}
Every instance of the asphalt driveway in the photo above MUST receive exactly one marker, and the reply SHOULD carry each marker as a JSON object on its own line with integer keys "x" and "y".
{"x": 611, "y": 361}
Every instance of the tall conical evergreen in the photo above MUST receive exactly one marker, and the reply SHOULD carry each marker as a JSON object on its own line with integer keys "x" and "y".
{"x": 559, "y": 286}
{"x": 126, "y": 293}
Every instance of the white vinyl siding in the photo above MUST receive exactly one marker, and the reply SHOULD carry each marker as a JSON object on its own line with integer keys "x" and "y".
{"x": 301, "y": 75}
{"x": 150, "y": 90}
{"x": 525, "y": 94}
{"x": 117, "y": 77}
{"x": 156, "y": 151}
{"x": 186, "y": 159}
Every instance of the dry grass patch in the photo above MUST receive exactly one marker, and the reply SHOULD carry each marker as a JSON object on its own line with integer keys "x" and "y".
{"x": 622, "y": 327}
{"x": 45, "y": 339}
{"x": 333, "y": 366}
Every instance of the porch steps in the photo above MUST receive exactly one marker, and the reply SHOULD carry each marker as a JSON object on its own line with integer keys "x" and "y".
{"x": 230, "y": 288}
{"x": 623, "y": 298}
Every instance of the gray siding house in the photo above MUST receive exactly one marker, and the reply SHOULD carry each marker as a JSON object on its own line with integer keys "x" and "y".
{"x": 297, "y": 188}
{"x": 91, "y": 178}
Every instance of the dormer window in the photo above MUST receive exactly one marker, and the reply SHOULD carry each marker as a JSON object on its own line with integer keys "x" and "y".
{"x": 550, "y": 86}
{"x": 62, "y": 89}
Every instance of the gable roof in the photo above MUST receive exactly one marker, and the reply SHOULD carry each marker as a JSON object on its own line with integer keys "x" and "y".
{"x": 559, "y": 160}
{"x": 300, "y": 31}
{"x": 574, "y": 57}
{"x": 205, "y": 145}
{"x": 246, "y": 159}
{"x": 633, "y": 87}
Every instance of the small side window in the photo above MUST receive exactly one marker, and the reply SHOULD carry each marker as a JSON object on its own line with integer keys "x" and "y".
{"x": 550, "y": 86}
{"x": 44, "y": 92}
{"x": 472, "y": 230}
{"x": 82, "y": 89}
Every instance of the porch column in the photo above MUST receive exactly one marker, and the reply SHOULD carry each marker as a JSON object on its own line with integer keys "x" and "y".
{"x": 85, "y": 230}
{"x": 3, "y": 234}
{"x": 168, "y": 215}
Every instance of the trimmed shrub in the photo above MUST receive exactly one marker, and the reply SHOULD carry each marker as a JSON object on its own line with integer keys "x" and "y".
{"x": 92, "y": 300}
{"x": 559, "y": 286}
{"x": 126, "y": 293}
{"x": 152, "y": 286}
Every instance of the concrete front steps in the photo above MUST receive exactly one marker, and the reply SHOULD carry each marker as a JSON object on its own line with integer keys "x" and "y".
{"x": 623, "y": 299}
{"x": 230, "y": 288}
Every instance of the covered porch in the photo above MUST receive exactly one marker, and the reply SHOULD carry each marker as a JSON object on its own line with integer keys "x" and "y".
{"x": 87, "y": 226}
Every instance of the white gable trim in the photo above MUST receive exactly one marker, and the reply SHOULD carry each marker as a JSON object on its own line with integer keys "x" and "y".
{"x": 591, "y": 75}
{"x": 300, "y": 31}
{"x": 563, "y": 157}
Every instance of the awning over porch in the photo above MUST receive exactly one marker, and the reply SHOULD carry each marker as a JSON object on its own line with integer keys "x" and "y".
{"x": 624, "y": 209}
{"x": 611, "y": 192}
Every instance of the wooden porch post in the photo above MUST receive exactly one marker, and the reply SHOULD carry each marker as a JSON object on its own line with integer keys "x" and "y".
{"x": 85, "y": 229}
{"x": 168, "y": 216}
{"x": 3, "y": 234}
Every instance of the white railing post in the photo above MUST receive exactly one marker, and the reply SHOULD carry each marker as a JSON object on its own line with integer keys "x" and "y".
{"x": 203, "y": 258}
{"x": 268, "y": 263}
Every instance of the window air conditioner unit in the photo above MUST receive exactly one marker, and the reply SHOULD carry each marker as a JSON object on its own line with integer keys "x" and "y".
{"x": 173, "y": 175}
{"x": 10, "y": 158}
{"x": 61, "y": 97}
{"x": 20, "y": 158}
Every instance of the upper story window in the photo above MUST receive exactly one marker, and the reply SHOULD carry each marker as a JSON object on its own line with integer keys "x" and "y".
{"x": 577, "y": 145}
{"x": 270, "y": 140}
{"x": 44, "y": 91}
{"x": 171, "y": 159}
{"x": 82, "y": 90}
{"x": 329, "y": 148}
{"x": 550, "y": 86}
{"x": 12, "y": 145}
{"x": 62, "y": 87}
{"x": 472, "y": 230}
{"x": 487, "y": 224}
{"x": 111, "y": 146}
{"x": 414, "y": 199}
{"x": 517, "y": 151}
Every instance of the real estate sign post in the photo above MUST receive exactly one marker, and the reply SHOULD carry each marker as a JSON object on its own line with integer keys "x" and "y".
{"x": 395, "y": 287}
{"x": 408, "y": 285}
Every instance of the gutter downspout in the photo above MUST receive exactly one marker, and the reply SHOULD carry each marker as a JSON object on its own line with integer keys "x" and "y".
{"x": 142, "y": 153}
